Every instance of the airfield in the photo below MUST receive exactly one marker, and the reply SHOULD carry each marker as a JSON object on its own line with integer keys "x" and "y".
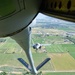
{"x": 60, "y": 50}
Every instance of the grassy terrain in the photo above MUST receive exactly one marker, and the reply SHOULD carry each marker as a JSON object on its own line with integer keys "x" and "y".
{"x": 62, "y": 55}
{"x": 72, "y": 54}
{"x": 55, "y": 48}
{"x": 38, "y": 58}
{"x": 65, "y": 29}
{"x": 62, "y": 61}
{"x": 60, "y": 73}
{"x": 44, "y": 39}
{"x": 11, "y": 60}
{"x": 61, "y": 48}
{"x": 10, "y": 46}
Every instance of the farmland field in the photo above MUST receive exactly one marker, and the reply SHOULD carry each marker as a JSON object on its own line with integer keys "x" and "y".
{"x": 61, "y": 73}
{"x": 61, "y": 52}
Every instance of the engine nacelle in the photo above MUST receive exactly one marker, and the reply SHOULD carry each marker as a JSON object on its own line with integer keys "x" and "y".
{"x": 15, "y": 15}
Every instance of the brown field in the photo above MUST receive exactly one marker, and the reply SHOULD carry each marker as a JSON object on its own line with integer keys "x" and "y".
{"x": 62, "y": 61}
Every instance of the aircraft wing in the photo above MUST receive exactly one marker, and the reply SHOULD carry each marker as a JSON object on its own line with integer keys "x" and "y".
{"x": 63, "y": 9}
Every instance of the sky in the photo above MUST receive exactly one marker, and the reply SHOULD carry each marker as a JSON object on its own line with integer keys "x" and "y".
{"x": 52, "y": 19}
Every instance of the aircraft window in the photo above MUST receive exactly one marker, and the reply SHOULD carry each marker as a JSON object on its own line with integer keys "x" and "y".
{"x": 69, "y": 4}
{"x": 60, "y": 5}
{"x": 51, "y": 4}
{"x": 55, "y": 5}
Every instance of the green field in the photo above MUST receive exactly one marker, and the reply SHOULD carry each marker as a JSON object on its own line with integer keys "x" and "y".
{"x": 61, "y": 73}
{"x": 46, "y": 39}
{"x": 62, "y": 55}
